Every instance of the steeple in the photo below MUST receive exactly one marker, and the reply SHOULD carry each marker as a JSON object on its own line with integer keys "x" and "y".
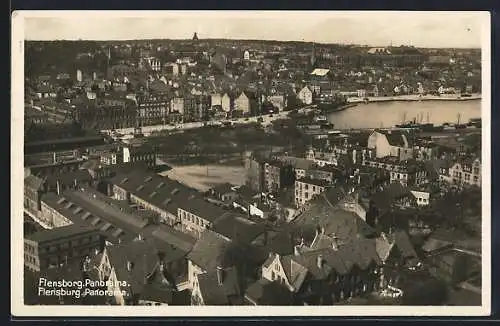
{"x": 195, "y": 36}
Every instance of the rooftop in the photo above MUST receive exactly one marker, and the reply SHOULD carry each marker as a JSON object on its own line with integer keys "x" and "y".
{"x": 316, "y": 182}
{"x": 67, "y": 231}
{"x": 207, "y": 250}
{"x": 203, "y": 209}
{"x": 159, "y": 191}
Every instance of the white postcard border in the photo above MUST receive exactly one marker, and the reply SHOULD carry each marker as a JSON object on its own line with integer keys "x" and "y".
{"x": 18, "y": 309}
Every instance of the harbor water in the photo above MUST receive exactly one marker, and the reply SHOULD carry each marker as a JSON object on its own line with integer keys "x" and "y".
{"x": 388, "y": 114}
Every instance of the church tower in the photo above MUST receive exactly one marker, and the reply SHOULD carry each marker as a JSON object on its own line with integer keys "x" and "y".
{"x": 195, "y": 36}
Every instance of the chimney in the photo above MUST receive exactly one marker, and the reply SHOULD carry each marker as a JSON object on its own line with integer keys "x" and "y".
{"x": 54, "y": 159}
{"x": 220, "y": 275}
{"x": 320, "y": 261}
{"x": 58, "y": 187}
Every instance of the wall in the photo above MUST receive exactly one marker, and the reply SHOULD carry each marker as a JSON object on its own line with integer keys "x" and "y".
{"x": 275, "y": 272}
{"x": 379, "y": 142}
{"x": 226, "y": 103}
{"x": 192, "y": 223}
{"x": 422, "y": 197}
{"x": 193, "y": 270}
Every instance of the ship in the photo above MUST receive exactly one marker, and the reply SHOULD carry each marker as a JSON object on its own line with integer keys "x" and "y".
{"x": 425, "y": 127}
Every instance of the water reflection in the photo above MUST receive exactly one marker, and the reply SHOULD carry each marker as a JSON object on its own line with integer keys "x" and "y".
{"x": 387, "y": 114}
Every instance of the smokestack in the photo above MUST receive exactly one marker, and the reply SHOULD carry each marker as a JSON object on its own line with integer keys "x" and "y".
{"x": 320, "y": 261}
{"x": 58, "y": 187}
{"x": 54, "y": 159}
{"x": 220, "y": 275}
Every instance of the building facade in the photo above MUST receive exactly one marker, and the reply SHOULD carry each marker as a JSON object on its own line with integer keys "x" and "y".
{"x": 307, "y": 188}
{"x": 60, "y": 246}
{"x": 152, "y": 108}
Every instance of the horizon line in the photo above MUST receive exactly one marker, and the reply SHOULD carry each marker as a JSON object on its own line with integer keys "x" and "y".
{"x": 248, "y": 40}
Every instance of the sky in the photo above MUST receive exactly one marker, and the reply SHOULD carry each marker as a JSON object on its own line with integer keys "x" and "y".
{"x": 420, "y": 29}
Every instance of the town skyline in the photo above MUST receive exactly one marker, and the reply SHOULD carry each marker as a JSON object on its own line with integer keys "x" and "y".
{"x": 419, "y": 29}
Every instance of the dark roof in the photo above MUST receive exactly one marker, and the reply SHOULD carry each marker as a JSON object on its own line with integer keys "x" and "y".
{"x": 266, "y": 293}
{"x": 246, "y": 193}
{"x": 67, "y": 231}
{"x": 82, "y": 208}
{"x": 238, "y": 227}
{"x": 395, "y": 137}
{"x": 203, "y": 209}
{"x": 68, "y": 178}
{"x": 159, "y": 191}
{"x": 297, "y": 162}
{"x": 360, "y": 252}
{"x": 315, "y": 182}
{"x": 214, "y": 293}
{"x": 280, "y": 242}
{"x": 66, "y": 140}
{"x": 208, "y": 249}
{"x": 145, "y": 257}
{"x": 175, "y": 238}
{"x": 223, "y": 188}
{"x": 404, "y": 244}
{"x": 335, "y": 221}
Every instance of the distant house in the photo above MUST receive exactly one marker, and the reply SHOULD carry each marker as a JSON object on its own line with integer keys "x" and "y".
{"x": 310, "y": 275}
{"x": 216, "y": 99}
{"x": 224, "y": 192}
{"x": 227, "y": 102}
{"x": 33, "y": 189}
{"x": 196, "y": 215}
{"x": 246, "y": 104}
{"x": 278, "y": 101}
{"x": 379, "y": 51}
{"x": 300, "y": 165}
{"x": 177, "y": 105}
{"x": 397, "y": 254}
{"x": 307, "y": 189}
{"x": 327, "y": 213}
{"x": 204, "y": 257}
{"x": 306, "y": 95}
{"x": 466, "y": 171}
{"x": 141, "y": 272}
{"x": 219, "y": 288}
{"x": 391, "y": 143}
{"x": 278, "y": 175}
